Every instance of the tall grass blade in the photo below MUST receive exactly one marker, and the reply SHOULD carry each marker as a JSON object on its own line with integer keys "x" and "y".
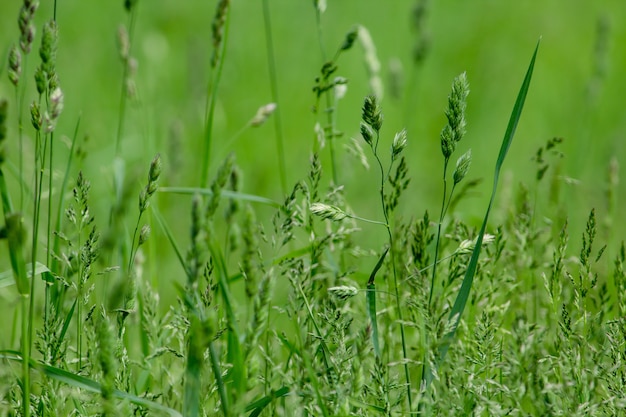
{"x": 86, "y": 384}
{"x": 371, "y": 302}
{"x": 179, "y": 254}
{"x": 235, "y": 353}
{"x": 259, "y": 405}
{"x": 461, "y": 300}
{"x": 224, "y": 194}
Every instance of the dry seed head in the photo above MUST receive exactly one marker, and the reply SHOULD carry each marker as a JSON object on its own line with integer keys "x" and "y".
{"x": 144, "y": 235}
{"x": 340, "y": 87}
{"x": 55, "y": 109}
{"x": 263, "y": 114}
{"x": 372, "y": 63}
{"x": 15, "y": 65}
{"x": 462, "y": 166}
{"x": 123, "y": 42}
{"x": 329, "y": 212}
{"x": 399, "y": 143}
{"x": 343, "y": 292}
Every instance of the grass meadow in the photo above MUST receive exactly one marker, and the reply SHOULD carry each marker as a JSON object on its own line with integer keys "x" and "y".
{"x": 312, "y": 208}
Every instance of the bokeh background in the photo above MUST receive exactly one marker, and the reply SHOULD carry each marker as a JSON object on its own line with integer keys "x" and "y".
{"x": 577, "y": 93}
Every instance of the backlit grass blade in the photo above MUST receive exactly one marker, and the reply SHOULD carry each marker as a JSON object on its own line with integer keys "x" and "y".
{"x": 6, "y": 277}
{"x": 223, "y": 194}
{"x": 461, "y": 300}
{"x": 86, "y": 383}
{"x": 371, "y": 303}
{"x": 170, "y": 237}
{"x": 237, "y": 373}
{"x": 259, "y": 405}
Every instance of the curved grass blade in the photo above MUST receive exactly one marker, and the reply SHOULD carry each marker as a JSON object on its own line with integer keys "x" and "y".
{"x": 170, "y": 237}
{"x": 371, "y": 302}
{"x": 86, "y": 383}
{"x": 6, "y": 277}
{"x": 259, "y": 405}
{"x": 461, "y": 300}
{"x": 224, "y": 194}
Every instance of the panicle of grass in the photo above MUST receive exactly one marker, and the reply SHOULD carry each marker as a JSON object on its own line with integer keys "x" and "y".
{"x": 372, "y": 118}
{"x": 47, "y": 53}
{"x": 450, "y": 135}
{"x": 125, "y": 36}
{"x": 219, "y": 30}
{"x": 25, "y": 23}
{"x": 106, "y": 360}
{"x": 332, "y": 90}
{"x": 15, "y": 65}
{"x": 372, "y": 64}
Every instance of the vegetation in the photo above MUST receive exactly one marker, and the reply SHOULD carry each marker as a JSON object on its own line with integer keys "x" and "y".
{"x": 184, "y": 291}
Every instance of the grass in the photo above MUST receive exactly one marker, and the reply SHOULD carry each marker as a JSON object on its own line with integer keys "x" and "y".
{"x": 193, "y": 293}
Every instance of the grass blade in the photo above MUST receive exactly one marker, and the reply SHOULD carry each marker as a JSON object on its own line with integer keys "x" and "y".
{"x": 371, "y": 302}
{"x": 259, "y": 405}
{"x": 223, "y": 194}
{"x": 86, "y": 383}
{"x": 461, "y": 300}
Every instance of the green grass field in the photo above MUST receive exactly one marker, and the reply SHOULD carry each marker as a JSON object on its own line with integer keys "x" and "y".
{"x": 289, "y": 208}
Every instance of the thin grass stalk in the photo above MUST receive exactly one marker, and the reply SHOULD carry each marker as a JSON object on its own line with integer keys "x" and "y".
{"x": 132, "y": 17}
{"x": 59, "y": 213}
{"x": 329, "y": 130}
{"x": 438, "y": 238}
{"x": 271, "y": 63}
{"x": 214, "y": 80}
{"x": 394, "y": 271}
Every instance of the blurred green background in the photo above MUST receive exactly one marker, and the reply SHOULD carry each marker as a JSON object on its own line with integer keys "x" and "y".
{"x": 577, "y": 93}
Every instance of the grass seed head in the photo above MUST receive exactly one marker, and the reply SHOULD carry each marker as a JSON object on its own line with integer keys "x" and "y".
{"x": 372, "y": 113}
{"x": 368, "y": 133}
{"x": 350, "y": 38}
{"x": 399, "y": 143}
{"x": 25, "y": 23}
{"x": 329, "y": 212}
{"x": 35, "y": 116}
{"x": 462, "y": 166}
{"x": 454, "y": 130}
{"x": 219, "y": 21}
{"x": 15, "y": 65}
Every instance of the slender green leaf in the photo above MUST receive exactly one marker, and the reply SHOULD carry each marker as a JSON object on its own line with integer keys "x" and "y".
{"x": 461, "y": 300}
{"x": 259, "y": 405}
{"x": 66, "y": 325}
{"x": 371, "y": 302}
{"x": 224, "y": 194}
{"x": 235, "y": 353}
{"x": 170, "y": 237}
{"x": 6, "y": 277}
{"x": 86, "y": 383}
